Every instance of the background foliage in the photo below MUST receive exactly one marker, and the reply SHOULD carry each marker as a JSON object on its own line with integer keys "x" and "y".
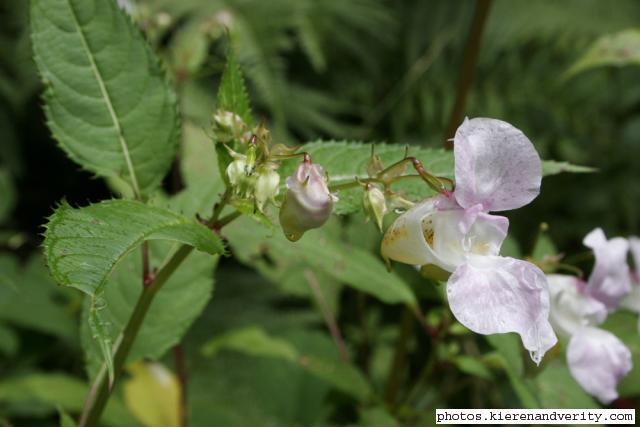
{"x": 372, "y": 70}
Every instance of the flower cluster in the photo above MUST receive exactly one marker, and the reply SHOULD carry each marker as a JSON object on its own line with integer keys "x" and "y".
{"x": 252, "y": 175}
{"x": 597, "y": 359}
{"x": 496, "y": 169}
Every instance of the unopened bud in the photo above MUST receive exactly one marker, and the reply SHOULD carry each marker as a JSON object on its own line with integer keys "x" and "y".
{"x": 308, "y": 203}
{"x": 374, "y": 204}
{"x": 228, "y": 126}
{"x": 237, "y": 171}
{"x": 267, "y": 186}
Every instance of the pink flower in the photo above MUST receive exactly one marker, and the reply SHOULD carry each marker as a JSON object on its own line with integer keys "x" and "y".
{"x": 597, "y": 359}
{"x": 496, "y": 168}
{"x": 307, "y": 203}
{"x": 609, "y": 282}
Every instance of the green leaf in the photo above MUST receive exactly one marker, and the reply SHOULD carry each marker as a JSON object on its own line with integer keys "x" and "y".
{"x": 318, "y": 252}
{"x": 107, "y": 100}
{"x": 552, "y": 167}
{"x": 40, "y": 394}
{"x": 472, "y": 366}
{"x": 618, "y": 49}
{"x": 174, "y": 309}
{"x": 8, "y": 340}
{"x": 65, "y": 419}
{"x": 232, "y": 93}
{"x": 84, "y": 245}
{"x": 255, "y": 342}
{"x": 33, "y": 301}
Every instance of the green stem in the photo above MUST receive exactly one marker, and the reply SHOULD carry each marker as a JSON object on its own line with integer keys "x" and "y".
{"x": 100, "y": 390}
{"x": 468, "y": 67}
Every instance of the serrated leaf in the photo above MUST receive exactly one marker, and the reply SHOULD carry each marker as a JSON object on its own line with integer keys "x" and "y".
{"x": 83, "y": 246}
{"x": 232, "y": 93}
{"x": 152, "y": 394}
{"x": 174, "y": 309}
{"x": 619, "y": 49}
{"x": 552, "y": 167}
{"x": 107, "y": 100}
{"x": 318, "y": 251}
{"x": 42, "y": 393}
{"x": 255, "y": 342}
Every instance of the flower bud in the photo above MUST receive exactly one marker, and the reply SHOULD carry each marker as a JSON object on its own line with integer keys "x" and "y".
{"x": 267, "y": 186}
{"x": 237, "y": 171}
{"x": 308, "y": 203}
{"x": 374, "y": 204}
{"x": 228, "y": 126}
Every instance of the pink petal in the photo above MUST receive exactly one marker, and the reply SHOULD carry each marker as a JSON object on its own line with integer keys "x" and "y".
{"x": 571, "y": 307}
{"x": 598, "y": 360}
{"x": 610, "y": 279}
{"x": 495, "y": 166}
{"x": 492, "y": 295}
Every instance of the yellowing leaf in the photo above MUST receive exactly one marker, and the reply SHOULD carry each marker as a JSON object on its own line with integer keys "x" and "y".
{"x": 152, "y": 394}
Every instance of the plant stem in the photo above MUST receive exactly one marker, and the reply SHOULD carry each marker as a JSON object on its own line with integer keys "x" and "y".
{"x": 468, "y": 67}
{"x": 397, "y": 365}
{"x": 329, "y": 318}
{"x": 181, "y": 371}
{"x": 100, "y": 390}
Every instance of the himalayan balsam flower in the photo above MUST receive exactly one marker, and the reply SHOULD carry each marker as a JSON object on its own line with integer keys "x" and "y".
{"x": 496, "y": 169}
{"x": 597, "y": 359}
{"x": 610, "y": 281}
{"x": 307, "y": 203}
{"x": 267, "y": 185}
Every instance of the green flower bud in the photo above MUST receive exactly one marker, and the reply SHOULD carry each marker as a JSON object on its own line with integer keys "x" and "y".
{"x": 267, "y": 186}
{"x": 374, "y": 204}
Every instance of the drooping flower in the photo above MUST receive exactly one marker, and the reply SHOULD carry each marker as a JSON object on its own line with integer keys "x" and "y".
{"x": 597, "y": 359}
{"x": 496, "y": 168}
{"x": 307, "y": 203}
{"x": 610, "y": 280}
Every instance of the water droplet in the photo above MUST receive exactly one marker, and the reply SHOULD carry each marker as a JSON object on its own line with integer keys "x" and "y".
{"x": 399, "y": 211}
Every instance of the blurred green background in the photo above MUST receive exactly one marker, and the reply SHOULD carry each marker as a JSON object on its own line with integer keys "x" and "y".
{"x": 367, "y": 70}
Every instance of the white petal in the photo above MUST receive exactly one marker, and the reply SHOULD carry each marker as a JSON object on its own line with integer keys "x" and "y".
{"x": 439, "y": 232}
{"x": 571, "y": 307}
{"x": 492, "y": 295}
{"x": 495, "y": 166}
{"x": 610, "y": 279}
{"x": 598, "y": 360}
